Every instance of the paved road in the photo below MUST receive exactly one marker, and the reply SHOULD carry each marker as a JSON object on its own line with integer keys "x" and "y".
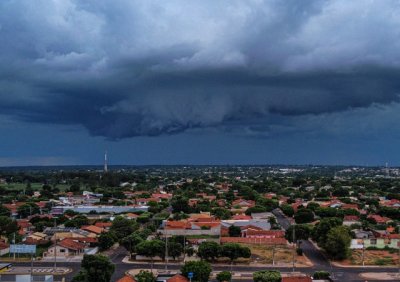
{"x": 340, "y": 274}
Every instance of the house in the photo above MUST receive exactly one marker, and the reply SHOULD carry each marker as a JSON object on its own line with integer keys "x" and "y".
{"x": 241, "y": 217}
{"x": 391, "y": 241}
{"x": 351, "y": 219}
{"x": 126, "y": 278}
{"x": 379, "y": 219}
{"x": 161, "y": 196}
{"x": 4, "y": 248}
{"x": 37, "y": 238}
{"x": 177, "y": 278}
{"x": 93, "y": 229}
{"x": 13, "y": 207}
{"x": 243, "y": 203}
{"x": 196, "y": 224}
{"x": 65, "y": 248}
{"x": 24, "y": 226}
{"x": 244, "y": 224}
{"x": 363, "y": 234}
{"x": 104, "y": 225}
{"x": 262, "y": 215}
{"x": 146, "y": 201}
{"x": 131, "y": 215}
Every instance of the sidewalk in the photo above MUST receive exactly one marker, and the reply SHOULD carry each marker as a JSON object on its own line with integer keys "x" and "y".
{"x": 37, "y": 270}
{"x": 237, "y": 275}
{"x": 261, "y": 265}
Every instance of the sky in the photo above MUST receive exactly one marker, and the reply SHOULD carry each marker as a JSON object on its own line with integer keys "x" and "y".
{"x": 199, "y": 82}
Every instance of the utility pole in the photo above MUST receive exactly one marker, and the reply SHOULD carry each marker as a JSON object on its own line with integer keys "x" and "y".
{"x": 363, "y": 253}
{"x": 398, "y": 246}
{"x": 14, "y": 244}
{"x": 55, "y": 246}
{"x": 273, "y": 255}
{"x": 294, "y": 244}
{"x": 166, "y": 249}
{"x": 184, "y": 246}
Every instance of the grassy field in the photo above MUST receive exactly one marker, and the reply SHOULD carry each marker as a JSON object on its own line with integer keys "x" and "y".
{"x": 283, "y": 254}
{"x": 35, "y": 186}
{"x": 373, "y": 257}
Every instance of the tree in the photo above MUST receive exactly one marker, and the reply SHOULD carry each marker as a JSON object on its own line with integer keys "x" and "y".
{"x": 130, "y": 242}
{"x": 123, "y": 227}
{"x": 234, "y": 251}
{"x": 301, "y": 232}
{"x": 208, "y": 250}
{"x": 322, "y": 228}
{"x": 224, "y": 276}
{"x": 78, "y": 221}
{"x": 175, "y": 249}
{"x": 255, "y": 209}
{"x": 201, "y": 270}
{"x": 304, "y": 216}
{"x": 74, "y": 188}
{"x": 180, "y": 204}
{"x": 221, "y": 213}
{"x": 287, "y": 210}
{"x": 7, "y": 226}
{"x": 4, "y": 211}
{"x": 234, "y": 231}
{"x": 28, "y": 209}
{"x": 151, "y": 249}
{"x": 337, "y": 243}
{"x": 145, "y": 276}
{"x": 106, "y": 241}
{"x": 95, "y": 268}
{"x": 313, "y": 206}
{"x": 267, "y": 276}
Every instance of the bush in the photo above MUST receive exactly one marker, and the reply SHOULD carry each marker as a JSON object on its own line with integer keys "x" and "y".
{"x": 224, "y": 276}
{"x": 267, "y": 276}
{"x": 145, "y": 276}
{"x": 321, "y": 275}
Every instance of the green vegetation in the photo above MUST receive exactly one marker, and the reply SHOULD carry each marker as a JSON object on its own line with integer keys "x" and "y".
{"x": 267, "y": 276}
{"x": 95, "y": 268}
{"x": 201, "y": 270}
{"x": 224, "y": 276}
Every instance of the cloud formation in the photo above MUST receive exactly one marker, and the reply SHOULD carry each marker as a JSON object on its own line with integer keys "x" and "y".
{"x": 147, "y": 68}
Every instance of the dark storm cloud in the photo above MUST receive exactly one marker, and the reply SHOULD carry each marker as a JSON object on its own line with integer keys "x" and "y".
{"x": 136, "y": 68}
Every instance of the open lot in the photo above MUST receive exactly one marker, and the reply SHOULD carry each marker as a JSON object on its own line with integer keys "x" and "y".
{"x": 372, "y": 257}
{"x": 283, "y": 255}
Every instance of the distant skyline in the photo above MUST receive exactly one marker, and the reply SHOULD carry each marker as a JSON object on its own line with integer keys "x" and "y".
{"x": 199, "y": 82}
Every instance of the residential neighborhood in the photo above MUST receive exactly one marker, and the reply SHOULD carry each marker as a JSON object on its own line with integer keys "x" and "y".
{"x": 254, "y": 217}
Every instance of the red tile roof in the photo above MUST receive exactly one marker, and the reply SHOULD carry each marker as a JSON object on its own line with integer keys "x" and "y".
{"x": 93, "y": 229}
{"x": 351, "y": 218}
{"x": 68, "y": 243}
{"x": 103, "y": 224}
{"x": 126, "y": 278}
{"x": 297, "y": 279}
{"x": 3, "y": 245}
{"x": 241, "y": 216}
{"x": 178, "y": 278}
